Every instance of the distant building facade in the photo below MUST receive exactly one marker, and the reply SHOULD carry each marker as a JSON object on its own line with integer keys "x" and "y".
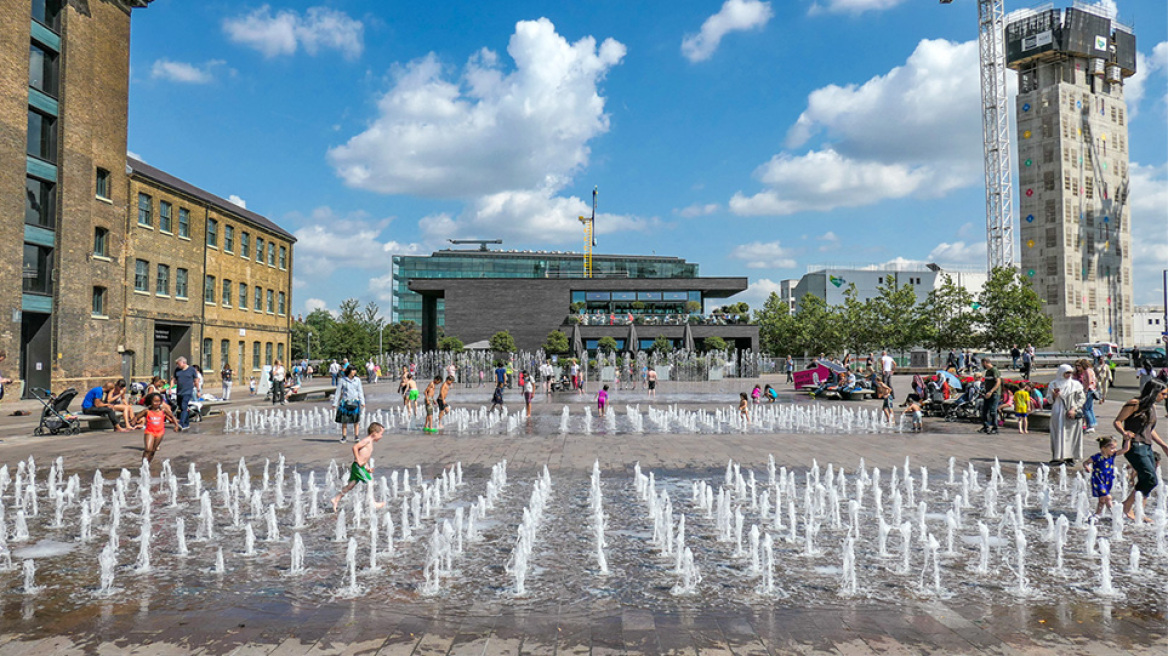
{"x": 407, "y": 304}
{"x": 77, "y": 307}
{"x": 1148, "y": 326}
{"x": 829, "y": 283}
{"x": 1075, "y": 228}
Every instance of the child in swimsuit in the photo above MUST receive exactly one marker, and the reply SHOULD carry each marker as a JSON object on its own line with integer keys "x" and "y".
{"x": 744, "y": 406}
{"x": 360, "y": 471}
{"x": 156, "y": 414}
{"x": 602, "y": 400}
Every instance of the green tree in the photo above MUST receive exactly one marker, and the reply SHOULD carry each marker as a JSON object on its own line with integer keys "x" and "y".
{"x": 403, "y": 337}
{"x": 1011, "y": 312}
{"x": 897, "y": 316}
{"x": 502, "y": 342}
{"x": 857, "y": 321}
{"x": 350, "y": 337}
{"x": 816, "y": 327}
{"x": 776, "y": 326}
{"x": 693, "y": 307}
{"x": 714, "y": 343}
{"x": 450, "y": 343}
{"x": 948, "y": 317}
{"x": 662, "y": 345}
{"x": 606, "y": 344}
{"x": 556, "y": 343}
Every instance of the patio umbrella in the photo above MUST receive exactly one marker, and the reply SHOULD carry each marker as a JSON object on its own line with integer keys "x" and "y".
{"x": 577, "y": 341}
{"x": 954, "y": 381}
{"x": 687, "y": 338}
{"x": 632, "y": 344}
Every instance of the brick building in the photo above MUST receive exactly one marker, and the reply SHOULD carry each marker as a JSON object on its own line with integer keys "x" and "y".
{"x": 69, "y": 312}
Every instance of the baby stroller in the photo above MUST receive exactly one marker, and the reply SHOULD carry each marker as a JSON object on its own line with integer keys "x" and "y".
{"x": 55, "y": 417}
{"x": 966, "y": 409}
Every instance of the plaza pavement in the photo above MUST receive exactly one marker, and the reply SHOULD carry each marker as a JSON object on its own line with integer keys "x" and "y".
{"x": 365, "y": 626}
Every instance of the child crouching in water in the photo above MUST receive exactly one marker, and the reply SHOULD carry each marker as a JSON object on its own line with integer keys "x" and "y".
{"x": 360, "y": 471}
{"x": 1101, "y": 466}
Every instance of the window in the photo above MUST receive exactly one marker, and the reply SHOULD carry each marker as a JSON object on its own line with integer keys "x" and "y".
{"x": 47, "y": 12}
{"x": 255, "y": 356}
{"x": 227, "y": 289}
{"x": 100, "y": 242}
{"x": 271, "y": 302}
{"x": 281, "y": 300}
{"x": 164, "y": 216}
{"x": 224, "y": 353}
{"x": 258, "y": 306}
{"x": 180, "y": 283}
{"x": 184, "y": 222}
{"x": 280, "y": 352}
{"x": 271, "y": 254}
{"x": 208, "y": 289}
{"x": 162, "y": 280}
{"x": 145, "y": 210}
{"x": 229, "y": 238}
{"x": 39, "y": 203}
{"x": 141, "y": 276}
{"x": 243, "y": 296}
{"x": 283, "y": 257}
{"x": 98, "y": 302}
{"x": 42, "y": 136}
{"x": 268, "y": 353}
{"x": 42, "y": 70}
{"x": 208, "y": 356}
{"x": 245, "y": 245}
{"x": 259, "y": 250}
{"x": 38, "y": 269}
{"x": 102, "y": 189}
{"x": 242, "y": 355}
{"x": 212, "y": 233}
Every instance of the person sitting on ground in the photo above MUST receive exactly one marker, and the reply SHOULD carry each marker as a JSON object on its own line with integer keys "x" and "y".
{"x": 94, "y": 403}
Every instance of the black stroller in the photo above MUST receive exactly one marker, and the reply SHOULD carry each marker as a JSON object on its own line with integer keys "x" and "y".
{"x": 55, "y": 417}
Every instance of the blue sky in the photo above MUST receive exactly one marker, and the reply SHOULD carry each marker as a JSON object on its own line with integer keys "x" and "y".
{"x": 755, "y": 138}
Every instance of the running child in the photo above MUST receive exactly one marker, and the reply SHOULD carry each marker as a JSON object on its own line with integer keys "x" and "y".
{"x": 428, "y": 399}
{"x": 528, "y": 391}
{"x": 1022, "y": 407}
{"x": 602, "y": 400}
{"x": 443, "y": 407}
{"x": 497, "y": 398}
{"x": 885, "y": 392}
{"x": 914, "y": 409}
{"x": 360, "y": 471}
{"x": 156, "y": 414}
{"x": 411, "y": 395}
{"x": 1101, "y": 466}
{"x": 744, "y": 406}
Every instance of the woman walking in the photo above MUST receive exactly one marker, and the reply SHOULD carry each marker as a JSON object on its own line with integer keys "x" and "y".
{"x": 1086, "y": 376}
{"x": 349, "y": 401}
{"x": 1066, "y": 417}
{"x": 1137, "y": 422}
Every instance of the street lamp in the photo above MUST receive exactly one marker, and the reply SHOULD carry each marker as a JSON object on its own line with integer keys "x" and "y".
{"x": 309, "y": 345}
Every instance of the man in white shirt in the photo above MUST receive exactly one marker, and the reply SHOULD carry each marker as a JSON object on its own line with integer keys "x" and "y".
{"x": 887, "y": 365}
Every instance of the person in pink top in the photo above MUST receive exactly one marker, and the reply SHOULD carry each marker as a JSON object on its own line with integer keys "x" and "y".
{"x": 1085, "y": 374}
{"x": 602, "y": 400}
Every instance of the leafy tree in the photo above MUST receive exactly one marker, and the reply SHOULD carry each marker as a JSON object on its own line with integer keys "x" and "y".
{"x": 403, "y": 337}
{"x": 662, "y": 345}
{"x": 556, "y": 343}
{"x": 450, "y": 343}
{"x": 776, "y": 326}
{"x": 816, "y": 327}
{"x": 606, "y": 344}
{"x": 896, "y": 316}
{"x": 1011, "y": 312}
{"x": 857, "y": 320}
{"x": 714, "y": 343}
{"x": 948, "y": 317}
{"x": 502, "y": 342}
{"x": 693, "y": 307}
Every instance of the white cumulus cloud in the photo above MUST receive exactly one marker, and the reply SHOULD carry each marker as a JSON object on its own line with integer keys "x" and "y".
{"x": 958, "y": 253}
{"x": 286, "y": 31}
{"x": 313, "y": 304}
{"x": 236, "y": 200}
{"x": 734, "y": 16}
{"x": 756, "y": 293}
{"x": 914, "y": 131}
{"x": 1148, "y": 203}
{"x": 851, "y": 6}
{"x": 330, "y": 241}
{"x": 488, "y": 131}
{"x": 699, "y": 209}
{"x": 174, "y": 71}
{"x": 769, "y": 255}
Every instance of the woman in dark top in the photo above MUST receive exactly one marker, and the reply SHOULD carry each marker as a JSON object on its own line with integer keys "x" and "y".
{"x": 1137, "y": 421}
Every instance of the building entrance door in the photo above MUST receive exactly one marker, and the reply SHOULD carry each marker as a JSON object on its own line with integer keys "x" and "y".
{"x": 171, "y": 341}
{"x": 161, "y": 366}
{"x": 35, "y": 352}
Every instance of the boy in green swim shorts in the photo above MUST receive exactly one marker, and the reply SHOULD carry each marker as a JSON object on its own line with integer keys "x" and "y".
{"x": 360, "y": 471}
{"x": 411, "y": 396}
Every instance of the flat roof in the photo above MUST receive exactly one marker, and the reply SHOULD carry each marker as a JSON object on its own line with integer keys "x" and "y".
{"x": 540, "y": 254}
{"x": 714, "y": 287}
{"x": 138, "y": 167}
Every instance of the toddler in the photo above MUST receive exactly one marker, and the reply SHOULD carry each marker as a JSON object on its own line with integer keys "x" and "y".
{"x": 1101, "y": 466}
{"x": 1022, "y": 407}
{"x": 914, "y": 409}
{"x": 602, "y": 400}
{"x": 744, "y": 406}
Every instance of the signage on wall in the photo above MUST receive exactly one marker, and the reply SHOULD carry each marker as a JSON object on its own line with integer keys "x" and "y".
{"x": 162, "y": 334}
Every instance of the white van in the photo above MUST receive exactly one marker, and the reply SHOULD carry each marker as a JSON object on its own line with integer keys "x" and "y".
{"x": 1106, "y": 348}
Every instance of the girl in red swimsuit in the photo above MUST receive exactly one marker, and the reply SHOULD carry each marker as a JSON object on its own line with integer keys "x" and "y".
{"x": 156, "y": 415}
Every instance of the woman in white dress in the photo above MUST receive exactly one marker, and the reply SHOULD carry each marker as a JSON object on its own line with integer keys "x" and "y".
{"x": 1066, "y": 417}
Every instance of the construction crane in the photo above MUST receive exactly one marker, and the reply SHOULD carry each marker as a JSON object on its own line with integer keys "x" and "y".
{"x": 481, "y": 242}
{"x": 589, "y": 236}
{"x": 995, "y": 127}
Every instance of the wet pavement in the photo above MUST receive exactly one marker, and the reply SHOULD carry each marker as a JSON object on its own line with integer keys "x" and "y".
{"x": 255, "y": 607}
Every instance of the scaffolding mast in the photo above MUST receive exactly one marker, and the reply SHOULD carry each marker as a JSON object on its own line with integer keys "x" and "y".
{"x": 589, "y": 236}
{"x": 995, "y": 124}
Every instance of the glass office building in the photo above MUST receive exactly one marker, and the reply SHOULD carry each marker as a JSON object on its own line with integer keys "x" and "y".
{"x": 407, "y": 305}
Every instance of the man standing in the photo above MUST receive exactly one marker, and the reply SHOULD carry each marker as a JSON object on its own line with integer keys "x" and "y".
{"x": 227, "y": 375}
{"x": 184, "y": 385}
{"x": 993, "y": 396}
{"x": 887, "y": 365}
{"x": 1015, "y": 353}
{"x": 334, "y": 372}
